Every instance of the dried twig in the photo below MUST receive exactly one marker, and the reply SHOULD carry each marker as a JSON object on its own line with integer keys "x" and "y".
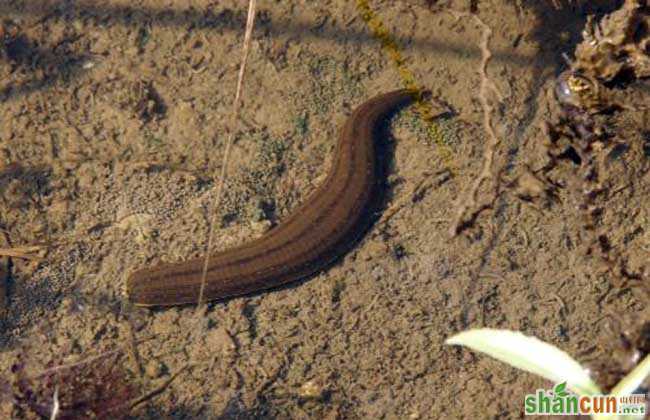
{"x": 33, "y": 252}
{"x": 425, "y": 182}
{"x": 488, "y": 87}
{"x": 159, "y": 389}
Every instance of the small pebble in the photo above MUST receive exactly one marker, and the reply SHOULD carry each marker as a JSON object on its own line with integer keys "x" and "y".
{"x": 154, "y": 369}
{"x": 312, "y": 390}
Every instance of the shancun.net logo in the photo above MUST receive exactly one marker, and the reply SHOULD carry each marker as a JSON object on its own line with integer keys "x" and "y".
{"x": 559, "y": 401}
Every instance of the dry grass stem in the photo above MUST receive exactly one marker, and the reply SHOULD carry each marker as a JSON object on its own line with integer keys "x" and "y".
{"x": 224, "y": 164}
{"x": 55, "y": 404}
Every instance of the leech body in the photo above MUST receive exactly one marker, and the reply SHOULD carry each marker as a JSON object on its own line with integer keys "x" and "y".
{"x": 326, "y": 226}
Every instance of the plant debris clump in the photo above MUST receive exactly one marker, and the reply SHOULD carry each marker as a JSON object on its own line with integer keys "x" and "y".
{"x": 98, "y": 388}
{"x": 614, "y": 52}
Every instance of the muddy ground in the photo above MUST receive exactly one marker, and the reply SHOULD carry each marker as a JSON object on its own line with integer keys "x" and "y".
{"x": 113, "y": 120}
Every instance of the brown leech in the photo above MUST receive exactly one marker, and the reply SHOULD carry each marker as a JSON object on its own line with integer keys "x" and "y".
{"x": 316, "y": 234}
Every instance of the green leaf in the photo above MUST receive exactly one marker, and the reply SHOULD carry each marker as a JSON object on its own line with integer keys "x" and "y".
{"x": 529, "y": 354}
{"x": 627, "y": 386}
{"x": 633, "y": 379}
